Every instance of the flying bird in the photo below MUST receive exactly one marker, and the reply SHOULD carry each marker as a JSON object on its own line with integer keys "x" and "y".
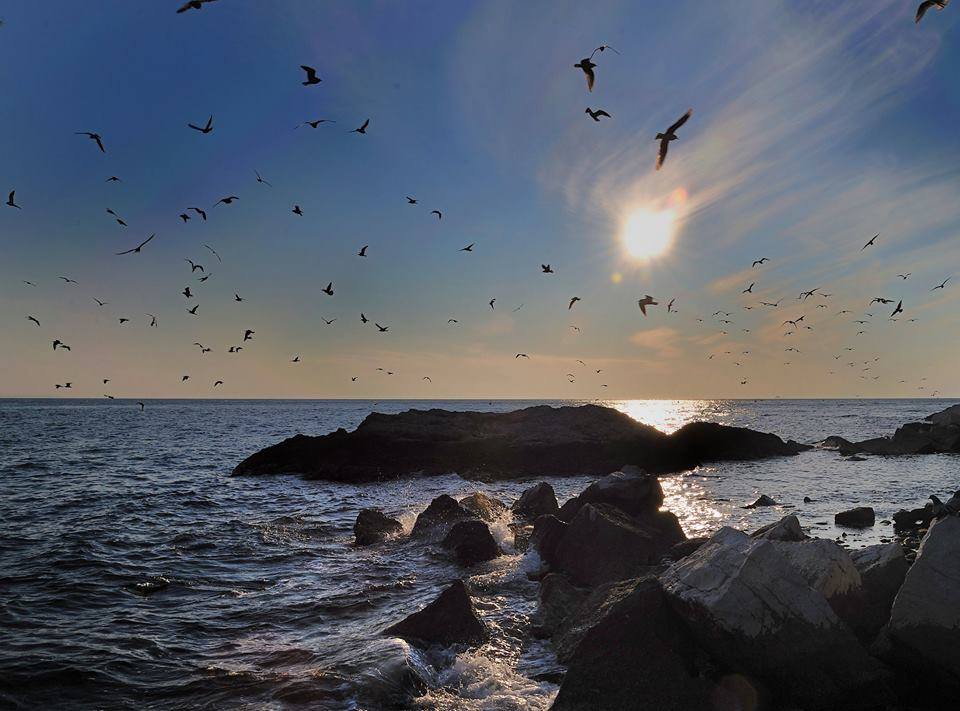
{"x": 546, "y": 269}
{"x": 312, "y": 77}
{"x": 207, "y": 128}
{"x": 670, "y": 135}
{"x": 363, "y": 318}
{"x": 941, "y": 285}
{"x": 226, "y": 200}
{"x": 194, "y": 266}
{"x": 261, "y": 179}
{"x": 297, "y": 211}
{"x": 190, "y": 5}
{"x": 136, "y": 250}
{"x": 574, "y": 300}
{"x": 329, "y": 322}
{"x": 646, "y": 301}
{"x": 411, "y": 201}
{"x": 117, "y": 217}
{"x": 237, "y": 297}
{"x": 468, "y": 248}
{"x": 427, "y": 378}
{"x": 595, "y": 115}
{"x": 213, "y": 252}
{"x": 295, "y": 359}
{"x": 193, "y": 311}
{"x": 67, "y": 280}
{"x": 749, "y": 289}
{"x": 587, "y": 67}
{"x": 112, "y": 179}
{"x": 926, "y": 5}
{"x": 492, "y": 302}
{"x": 219, "y": 382}
{"x": 521, "y": 355}
{"x": 200, "y": 212}
{"x": 905, "y": 276}
{"x": 184, "y": 378}
{"x": 34, "y": 319}
{"x": 99, "y": 303}
{"x": 248, "y": 335}
{"x": 95, "y": 137}
{"x": 328, "y": 290}
{"x": 670, "y": 306}
{"x": 363, "y": 128}
{"x": 760, "y": 261}
{"x": 363, "y": 251}
{"x": 382, "y": 329}
{"x": 153, "y": 320}
{"x": 870, "y": 243}
{"x": 10, "y": 201}
{"x": 437, "y": 213}
{"x": 315, "y": 123}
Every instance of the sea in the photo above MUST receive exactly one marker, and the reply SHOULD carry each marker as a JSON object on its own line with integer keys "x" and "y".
{"x": 135, "y": 572}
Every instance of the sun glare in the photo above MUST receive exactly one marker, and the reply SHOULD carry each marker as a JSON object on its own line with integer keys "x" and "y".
{"x": 648, "y": 233}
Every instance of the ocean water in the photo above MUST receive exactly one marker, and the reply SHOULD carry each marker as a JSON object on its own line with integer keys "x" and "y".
{"x": 135, "y": 572}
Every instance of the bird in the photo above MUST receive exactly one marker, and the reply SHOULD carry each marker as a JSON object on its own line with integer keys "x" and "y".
{"x": 67, "y": 280}
{"x": 546, "y": 269}
{"x": 382, "y": 329}
{"x": 153, "y": 320}
{"x": 248, "y": 335}
{"x": 587, "y": 67}
{"x": 670, "y": 306}
{"x": 207, "y": 128}
{"x": 328, "y": 289}
{"x": 468, "y": 248}
{"x": 411, "y": 201}
{"x": 10, "y": 201}
{"x": 34, "y": 319}
{"x": 942, "y": 284}
{"x": 93, "y": 137}
{"x": 113, "y": 179}
{"x": 492, "y": 302}
{"x": 218, "y": 382}
{"x": 213, "y": 252}
{"x": 141, "y": 405}
{"x": 261, "y": 179}
{"x": 363, "y": 251}
{"x": 437, "y": 213}
{"x": 749, "y": 289}
{"x": 760, "y": 261}
{"x": 646, "y": 301}
{"x": 595, "y": 115}
{"x": 315, "y": 123}
{"x": 898, "y": 310}
{"x": 363, "y": 128}
{"x": 99, "y": 303}
{"x": 226, "y": 200}
{"x": 123, "y": 320}
{"x": 119, "y": 221}
{"x": 237, "y": 297}
{"x": 427, "y": 378}
{"x": 905, "y": 276}
{"x": 194, "y": 266}
{"x": 186, "y": 292}
{"x": 574, "y": 300}
{"x": 329, "y": 322}
{"x": 312, "y": 77}
{"x": 521, "y": 355}
{"x": 200, "y": 212}
{"x": 353, "y": 379}
{"x": 184, "y": 378}
{"x": 297, "y": 211}
{"x": 136, "y": 250}
{"x": 193, "y": 311}
{"x": 190, "y": 5}
{"x": 881, "y": 300}
{"x": 295, "y": 359}
{"x": 452, "y": 320}
{"x": 926, "y": 5}
{"x": 363, "y": 318}
{"x": 670, "y": 135}
{"x": 804, "y": 295}
{"x": 870, "y": 243}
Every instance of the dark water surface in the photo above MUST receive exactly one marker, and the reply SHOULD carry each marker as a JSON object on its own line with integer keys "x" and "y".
{"x": 135, "y": 573}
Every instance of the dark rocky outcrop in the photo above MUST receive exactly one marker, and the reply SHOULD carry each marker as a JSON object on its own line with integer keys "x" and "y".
{"x": 631, "y": 490}
{"x": 882, "y": 569}
{"x": 439, "y": 517}
{"x": 912, "y": 519}
{"x": 541, "y": 440}
{"x": 558, "y": 602}
{"x": 471, "y": 542}
{"x": 762, "y": 500}
{"x": 940, "y": 433}
{"x": 450, "y": 619}
{"x": 538, "y": 500}
{"x": 786, "y": 529}
{"x": 548, "y": 531}
{"x": 859, "y": 517}
{"x": 484, "y": 507}
{"x": 372, "y": 526}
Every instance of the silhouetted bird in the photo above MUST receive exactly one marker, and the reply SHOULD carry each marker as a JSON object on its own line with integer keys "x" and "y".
{"x": 207, "y": 128}
{"x": 297, "y": 211}
{"x": 468, "y": 248}
{"x": 645, "y": 302}
{"x": 10, "y": 201}
{"x": 312, "y": 77}
{"x": 942, "y": 285}
{"x": 136, "y": 250}
{"x": 248, "y": 335}
{"x": 193, "y": 311}
{"x": 226, "y": 200}
{"x": 200, "y": 212}
{"x": 574, "y": 300}
{"x": 363, "y": 128}
{"x": 595, "y": 115}
{"x": 328, "y": 289}
{"x": 870, "y": 243}
{"x": 382, "y": 329}
{"x": 437, "y": 213}
{"x": 112, "y": 179}
{"x": 760, "y": 261}
{"x": 587, "y": 67}
{"x": 411, "y": 201}
{"x": 95, "y": 137}
{"x": 927, "y": 4}
{"x": 363, "y": 251}
{"x": 260, "y": 179}
{"x": 670, "y": 135}
{"x": 546, "y": 269}
{"x": 117, "y": 217}
{"x": 191, "y": 5}
{"x": 34, "y": 319}
{"x": 314, "y": 124}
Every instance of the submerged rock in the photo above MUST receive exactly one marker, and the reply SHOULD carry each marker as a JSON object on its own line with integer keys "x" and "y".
{"x": 542, "y": 440}
{"x": 471, "y": 542}
{"x": 859, "y": 517}
{"x": 538, "y": 500}
{"x": 484, "y": 507}
{"x": 439, "y": 517}
{"x": 631, "y": 490}
{"x": 450, "y": 619}
{"x": 372, "y": 526}
{"x": 763, "y": 500}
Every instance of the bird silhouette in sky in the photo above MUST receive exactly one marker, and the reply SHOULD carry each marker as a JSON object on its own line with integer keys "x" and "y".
{"x": 192, "y": 5}
{"x": 200, "y": 212}
{"x": 382, "y": 329}
{"x": 760, "y": 261}
{"x": 587, "y": 66}
{"x": 34, "y": 319}
{"x": 226, "y": 200}
{"x": 870, "y": 243}
{"x": 261, "y": 179}
{"x": 297, "y": 211}
{"x": 905, "y": 276}
{"x": 411, "y": 201}
{"x": 926, "y": 5}
{"x": 941, "y": 285}
{"x": 363, "y": 251}
{"x": 194, "y": 266}
{"x": 206, "y": 128}
{"x": 328, "y": 289}
{"x": 248, "y": 335}
{"x": 213, "y": 252}
{"x": 468, "y": 248}
{"x": 670, "y": 135}
{"x": 68, "y": 280}
{"x": 136, "y": 250}
{"x": 95, "y": 137}
{"x": 437, "y": 213}
{"x": 749, "y": 289}
{"x": 327, "y": 321}
{"x": 646, "y": 301}
{"x": 10, "y": 201}
{"x": 116, "y": 217}
{"x": 314, "y": 123}
{"x": 546, "y": 269}
{"x": 492, "y": 302}
{"x": 193, "y": 311}
{"x": 112, "y": 179}
{"x": 363, "y": 128}
{"x": 574, "y": 300}
{"x": 595, "y": 115}
{"x": 312, "y": 77}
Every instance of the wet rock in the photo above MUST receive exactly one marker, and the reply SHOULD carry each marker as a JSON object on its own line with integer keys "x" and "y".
{"x": 450, "y": 619}
{"x": 471, "y": 542}
{"x": 559, "y": 599}
{"x": 548, "y": 531}
{"x": 747, "y": 605}
{"x": 925, "y": 617}
{"x": 859, "y": 517}
{"x": 950, "y": 416}
{"x": 913, "y": 519}
{"x": 484, "y": 507}
{"x": 372, "y": 526}
{"x": 439, "y": 517}
{"x": 882, "y": 570}
{"x": 602, "y": 543}
{"x": 636, "y": 654}
{"x": 807, "y": 500}
{"x": 786, "y": 529}
{"x": 538, "y": 500}
{"x": 631, "y": 490}
{"x": 763, "y": 500}
{"x": 521, "y": 536}
{"x": 940, "y": 433}
{"x": 541, "y": 440}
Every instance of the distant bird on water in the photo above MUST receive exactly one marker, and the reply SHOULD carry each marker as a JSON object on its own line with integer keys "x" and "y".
{"x": 136, "y": 250}
{"x": 646, "y": 301}
{"x": 670, "y": 135}
{"x": 312, "y": 77}
{"x": 95, "y": 137}
{"x": 595, "y": 115}
{"x": 926, "y": 5}
{"x": 207, "y": 128}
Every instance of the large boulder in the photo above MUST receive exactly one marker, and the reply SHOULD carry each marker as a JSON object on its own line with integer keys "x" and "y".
{"x": 940, "y": 433}
{"x": 748, "y": 605}
{"x": 450, "y": 619}
{"x": 372, "y": 526}
{"x": 602, "y": 543}
{"x": 484, "y": 507}
{"x": 786, "y": 529}
{"x": 882, "y": 569}
{"x": 535, "y": 441}
{"x": 912, "y": 519}
{"x": 548, "y": 532}
{"x": 439, "y": 517}
{"x": 471, "y": 542}
{"x": 950, "y": 416}
{"x": 538, "y": 500}
{"x": 925, "y": 618}
{"x": 558, "y": 600}
{"x": 859, "y": 517}
{"x": 636, "y": 654}
{"x": 631, "y": 490}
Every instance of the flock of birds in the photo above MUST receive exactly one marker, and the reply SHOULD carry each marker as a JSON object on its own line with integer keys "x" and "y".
{"x": 724, "y": 320}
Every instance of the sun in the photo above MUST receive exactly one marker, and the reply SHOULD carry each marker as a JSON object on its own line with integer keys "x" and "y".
{"x": 648, "y": 233}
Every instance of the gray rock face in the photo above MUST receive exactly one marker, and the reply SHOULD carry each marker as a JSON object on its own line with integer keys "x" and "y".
{"x": 939, "y": 434}
{"x": 559, "y": 600}
{"x": 749, "y": 606}
{"x": 450, "y": 619}
{"x": 631, "y": 490}
{"x": 950, "y": 416}
{"x": 859, "y": 517}
{"x": 471, "y": 542}
{"x": 883, "y": 568}
{"x": 372, "y": 526}
{"x": 925, "y": 617}
{"x": 439, "y": 517}
{"x": 484, "y": 507}
{"x": 786, "y": 529}
{"x": 538, "y": 500}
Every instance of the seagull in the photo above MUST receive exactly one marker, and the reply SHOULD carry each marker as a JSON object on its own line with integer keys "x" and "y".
{"x": 295, "y": 359}
{"x": 123, "y": 320}
{"x": 807, "y": 294}
{"x": 153, "y": 320}
{"x": 382, "y": 329}
{"x": 186, "y": 292}
{"x": 194, "y": 267}
{"x": 200, "y": 212}
{"x": 749, "y": 289}
{"x": 328, "y": 322}
{"x": 870, "y": 243}
{"x": 602, "y": 48}
{"x": 226, "y": 200}
{"x": 315, "y": 123}
{"x": 93, "y": 137}
{"x": 468, "y": 248}
{"x": 898, "y": 310}
{"x": 297, "y": 211}
{"x": 68, "y": 280}
{"x": 213, "y": 251}
{"x": 248, "y": 335}
{"x": 363, "y": 319}
{"x": 190, "y": 5}
{"x": 670, "y": 306}
{"x": 427, "y": 378}
{"x": 881, "y": 300}
{"x": 905, "y": 276}
{"x": 237, "y": 297}
{"x": 363, "y": 128}
{"x": 10, "y": 201}
{"x": 767, "y": 303}
{"x": 119, "y": 221}
{"x": 595, "y": 115}
{"x": 112, "y": 179}
{"x": 760, "y": 261}
{"x": 670, "y": 135}
{"x": 184, "y": 216}
{"x": 136, "y": 250}
{"x": 411, "y": 201}
{"x": 645, "y": 302}
{"x": 312, "y": 77}
{"x": 492, "y": 302}
{"x": 193, "y": 311}
{"x": 219, "y": 382}
{"x": 363, "y": 251}
{"x": 437, "y": 213}
{"x": 34, "y": 319}
{"x": 328, "y": 290}
{"x": 574, "y": 300}
{"x": 260, "y": 179}
{"x": 184, "y": 378}
{"x": 587, "y": 67}
{"x": 546, "y": 269}
{"x": 205, "y": 129}
{"x": 99, "y": 303}
{"x": 926, "y": 5}
{"x": 941, "y": 285}
{"x": 452, "y": 320}
{"x": 521, "y": 355}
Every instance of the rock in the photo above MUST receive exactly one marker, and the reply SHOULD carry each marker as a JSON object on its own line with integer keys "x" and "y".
{"x": 807, "y": 500}
{"x": 450, "y": 619}
{"x": 925, "y": 618}
{"x": 763, "y": 500}
{"x": 548, "y": 532}
{"x": 602, "y": 543}
{"x": 859, "y": 517}
{"x": 882, "y": 570}
{"x": 631, "y": 490}
{"x": 559, "y": 599}
{"x": 521, "y": 536}
{"x": 786, "y": 529}
{"x": 950, "y": 416}
{"x": 748, "y": 606}
{"x": 439, "y": 517}
{"x": 471, "y": 542}
{"x": 538, "y": 500}
{"x": 535, "y": 441}
{"x": 913, "y": 519}
{"x": 685, "y": 548}
{"x": 940, "y": 433}
{"x": 484, "y": 507}
{"x": 855, "y": 458}
{"x": 636, "y": 654}
{"x": 372, "y": 526}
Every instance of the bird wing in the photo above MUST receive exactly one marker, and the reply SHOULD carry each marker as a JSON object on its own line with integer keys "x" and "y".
{"x": 147, "y": 240}
{"x": 197, "y": 128}
{"x": 365, "y": 124}
{"x": 601, "y": 112}
{"x": 922, "y": 9}
{"x": 99, "y": 143}
{"x": 209, "y": 122}
{"x": 662, "y": 154}
{"x": 680, "y": 121}
{"x": 590, "y": 77}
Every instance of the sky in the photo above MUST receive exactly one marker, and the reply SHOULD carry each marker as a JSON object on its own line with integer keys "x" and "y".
{"x": 815, "y": 126}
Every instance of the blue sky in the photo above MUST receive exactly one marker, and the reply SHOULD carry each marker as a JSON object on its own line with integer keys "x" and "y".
{"x": 816, "y": 125}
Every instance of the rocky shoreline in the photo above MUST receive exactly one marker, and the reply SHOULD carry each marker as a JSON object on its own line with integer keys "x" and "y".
{"x": 939, "y": 433}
